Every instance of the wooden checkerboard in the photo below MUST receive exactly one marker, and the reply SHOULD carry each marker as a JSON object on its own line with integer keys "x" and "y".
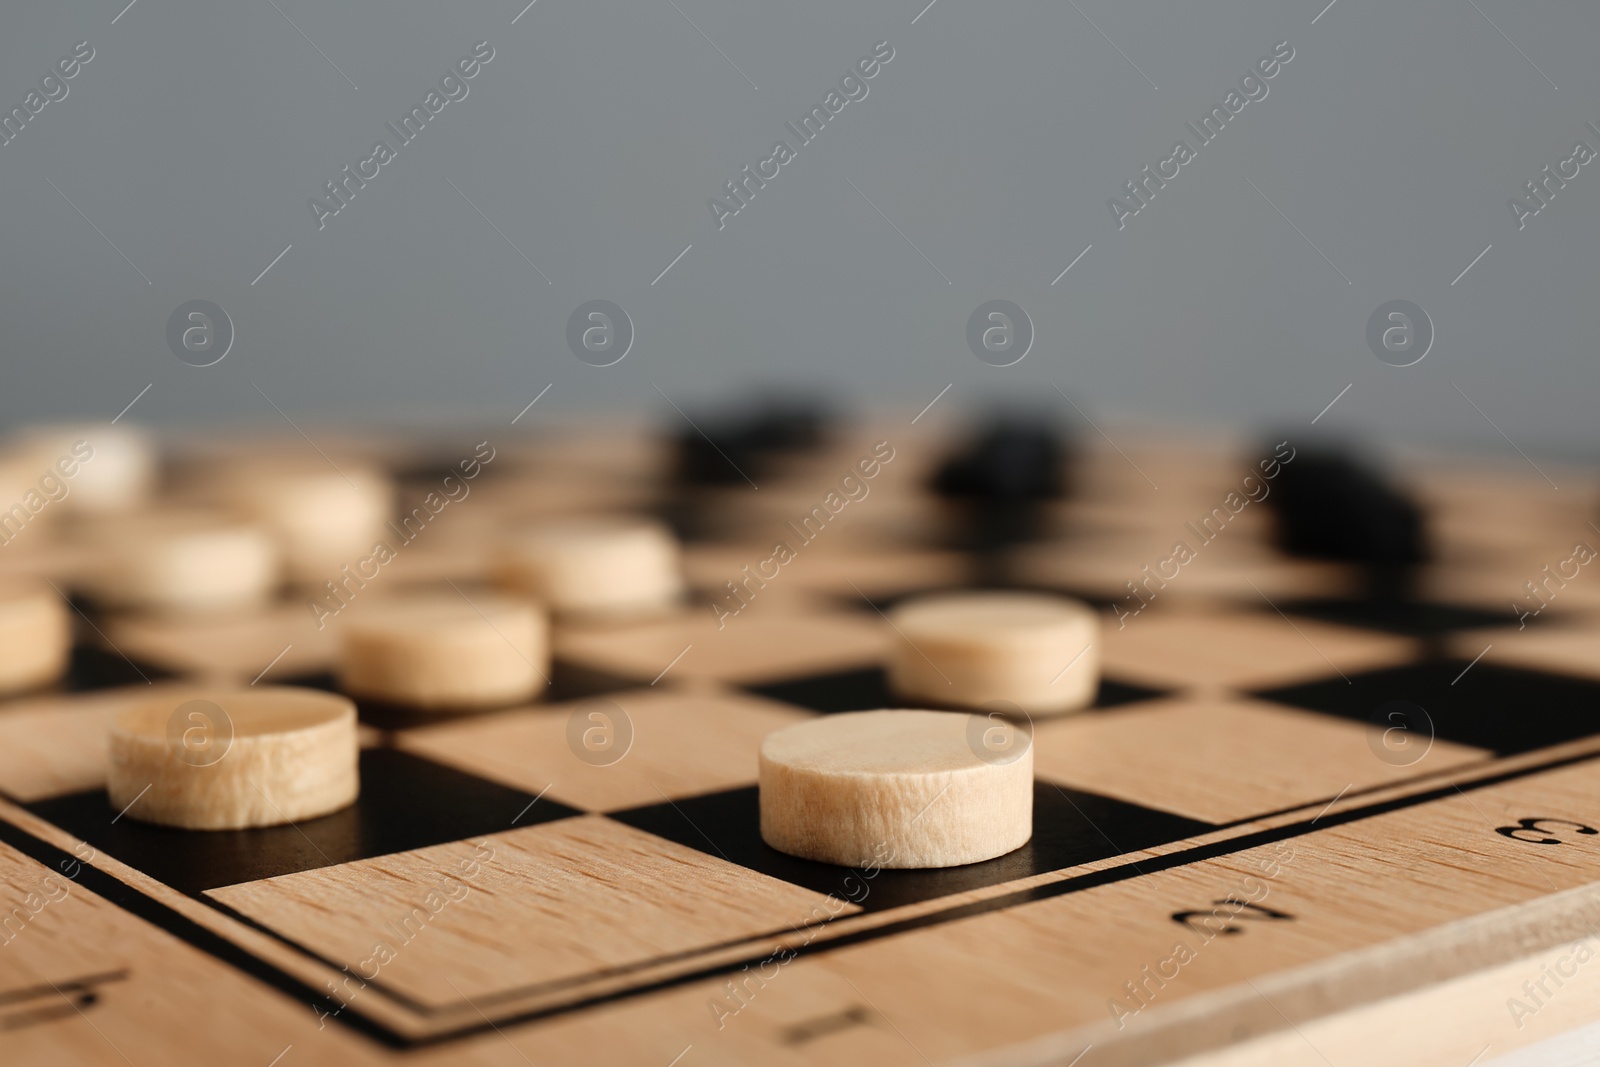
{"x": 1296, "y": 825}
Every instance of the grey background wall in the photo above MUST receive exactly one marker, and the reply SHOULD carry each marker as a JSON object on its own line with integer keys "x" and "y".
{"x": 979, "y": 165}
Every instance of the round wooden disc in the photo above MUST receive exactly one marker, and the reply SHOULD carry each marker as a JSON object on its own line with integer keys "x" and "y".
{"x": 181, "y": 561}
{"x": 322, "y": 518}
{"x": 231, "y": 759}
{"x": 103, "y": 468}
{"x": 897, "y": 789}
{"x": 598, "y": 566}
{"x": 1036, "y": 651}
{"x": 438, "y": 652}
{"x": 35, "y": 636}
{"x": 32, "y": 503}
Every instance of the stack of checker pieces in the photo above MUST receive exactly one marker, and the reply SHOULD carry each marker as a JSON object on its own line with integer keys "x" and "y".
{"x": 1292, "y": 809}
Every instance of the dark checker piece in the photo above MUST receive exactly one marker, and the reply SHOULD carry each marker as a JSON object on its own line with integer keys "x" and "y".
{"x": 1070, "y": 827}
{"x": 1331, "y": 506}
{"x": 1012, "y": 458}
{"x": 1503, "y": 709}
{"x": 999, "y": 478}
{"x": 747, "y": 443}
{"x": 406, "y": 802}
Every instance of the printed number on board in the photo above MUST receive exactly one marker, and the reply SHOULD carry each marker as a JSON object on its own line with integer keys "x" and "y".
{"x": 1542, "y": 831}
{"x": 1225, "y": 912}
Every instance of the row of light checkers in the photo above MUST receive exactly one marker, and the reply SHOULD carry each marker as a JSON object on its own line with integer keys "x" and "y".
{"x": 409, "y": 801}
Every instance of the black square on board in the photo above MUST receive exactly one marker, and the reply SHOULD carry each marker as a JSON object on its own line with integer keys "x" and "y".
{"x": 868, "y": 689}
{"x": 1002, "y": 583}
{"x": 1505, "y": 709}
{"x": 861, "y": 690}
{"x": 1070, "y": 827}
{"x": 89, "y": 669}
{"x": 1408, "y": 618}
{"x": 406, "y": 802}
{"x": 568, "y": 681}
{"x": 1114, "y": 694}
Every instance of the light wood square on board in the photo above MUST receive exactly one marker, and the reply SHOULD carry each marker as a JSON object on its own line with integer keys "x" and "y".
{"x": 1572, "y": 648}
{"x": 55, "y": 744}
{"x": 530, "y": 908}
{"x": 1222, "y": 760}
{"x": 1500, "y": 583}
{"x": 887, "y": 515}
{"x": 456, "y": 555}
{"x": 749, "y": 647}
{"x": 683, "y": 743}
{"x": 1478, "y": 508}
{"x": 608, "y": 450}
{"x": 236, "y": 647}
{"x": 1103, "y": 568}
{"x": 35, "y": 556}
{"x": 1243, "y": 650}
{"x": 518, "y": 497}
{"x": 850, "y": 571}
{"x": 68, "y": 951}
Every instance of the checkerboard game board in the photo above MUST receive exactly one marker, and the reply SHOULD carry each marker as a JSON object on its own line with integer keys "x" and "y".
{"x": 1292, "y": 809}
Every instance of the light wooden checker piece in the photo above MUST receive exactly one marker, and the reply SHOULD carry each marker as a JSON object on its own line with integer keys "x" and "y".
{"x": 107, "y": 469}
{"x": 916, "y": 789}
{"x": 228, "y": 760}
{"x": 35, "y": 636}
{"x": 181, "y": 562}
{"x": 445, "y": 652}
{"x": 322, "y": 517}
{"x": 1032, "y": 651}
{"x": 607, "y": 567}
